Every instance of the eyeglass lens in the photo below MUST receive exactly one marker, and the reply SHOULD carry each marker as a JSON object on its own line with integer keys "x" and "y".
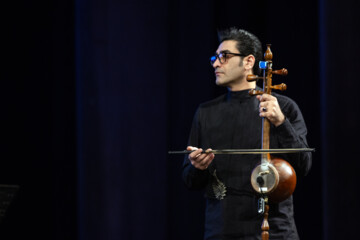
{"x": 220, "y": 56}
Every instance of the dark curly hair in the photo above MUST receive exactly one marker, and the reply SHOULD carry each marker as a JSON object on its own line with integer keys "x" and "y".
{"x": 247, "y": 43}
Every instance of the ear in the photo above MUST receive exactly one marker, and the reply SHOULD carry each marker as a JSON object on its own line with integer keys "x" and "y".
{"x": 249, "y": 62}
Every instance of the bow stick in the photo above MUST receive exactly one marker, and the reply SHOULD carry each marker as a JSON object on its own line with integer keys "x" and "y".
{"x": 249, "y": 151}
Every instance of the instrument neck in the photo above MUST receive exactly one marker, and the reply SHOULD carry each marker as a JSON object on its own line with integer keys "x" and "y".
{"x": 265, "y": 158}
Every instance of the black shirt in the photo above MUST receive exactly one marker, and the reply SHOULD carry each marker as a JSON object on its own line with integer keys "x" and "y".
{"x": 232, "y": 121}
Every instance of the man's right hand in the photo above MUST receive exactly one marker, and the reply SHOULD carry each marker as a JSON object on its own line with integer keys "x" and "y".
{"x": 198, "y": 159}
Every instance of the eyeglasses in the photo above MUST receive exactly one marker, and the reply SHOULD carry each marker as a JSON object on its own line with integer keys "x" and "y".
{"x": 223, "y": 56}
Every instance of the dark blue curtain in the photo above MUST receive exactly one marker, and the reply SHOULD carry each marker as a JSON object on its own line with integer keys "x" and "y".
{"x": 340, "y": 113}
{"x": 96, "y": 92}
{"x": 122, "y": 119}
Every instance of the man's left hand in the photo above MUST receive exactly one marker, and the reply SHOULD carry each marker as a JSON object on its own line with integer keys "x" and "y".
{"x": 269, "y": 108}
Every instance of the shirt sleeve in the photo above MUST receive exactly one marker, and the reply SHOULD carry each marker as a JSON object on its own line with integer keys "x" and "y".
{"x": 292, "y": 134}
{"x": 194, "y": 178}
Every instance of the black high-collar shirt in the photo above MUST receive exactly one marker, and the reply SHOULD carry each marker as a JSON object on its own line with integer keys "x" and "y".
{"x": 232, "y": 121}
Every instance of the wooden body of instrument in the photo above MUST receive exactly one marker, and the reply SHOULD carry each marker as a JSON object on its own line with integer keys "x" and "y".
{"x": 279, "y": 182}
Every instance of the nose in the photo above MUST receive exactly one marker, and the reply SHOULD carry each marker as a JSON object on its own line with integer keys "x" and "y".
{"x": 216, "y": 63}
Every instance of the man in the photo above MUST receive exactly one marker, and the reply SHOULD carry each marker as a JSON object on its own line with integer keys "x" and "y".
{"x": 233, "y": 121}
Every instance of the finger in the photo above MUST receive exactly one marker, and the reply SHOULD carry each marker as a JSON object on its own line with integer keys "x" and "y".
{"x": 208, "y": 150}
{"x": 266, "y": 97}
{"x": 209, "y": 156}
{"x": 268, "y": 114}
{"x": 200, "y": 157}
{"x": 195, "y": 154}
{"x": 207, "y": 160}
{"x": 192, "y": 154}
{"x": 191, "y": 148}
{"x": 263, "y": 106}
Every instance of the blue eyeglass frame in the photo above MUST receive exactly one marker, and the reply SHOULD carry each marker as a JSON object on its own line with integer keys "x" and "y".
{"x": 225, "y": 57}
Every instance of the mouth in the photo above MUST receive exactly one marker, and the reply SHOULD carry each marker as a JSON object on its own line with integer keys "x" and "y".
{"x": 218, "y": 73}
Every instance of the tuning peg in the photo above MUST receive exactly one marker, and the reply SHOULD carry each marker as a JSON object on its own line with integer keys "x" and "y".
{"x": 253, "y": 92}
{"x": 281, "y": 87}
{"x": 282, "y": 72}
{"x": 251, "y": 78}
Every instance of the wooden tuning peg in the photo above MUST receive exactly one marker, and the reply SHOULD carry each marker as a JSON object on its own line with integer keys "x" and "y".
{"x": 253, "y": 92}
{"x": 251, "y": 78}
{"x": 282, "y": 72}
{"x": 281, "y": 87}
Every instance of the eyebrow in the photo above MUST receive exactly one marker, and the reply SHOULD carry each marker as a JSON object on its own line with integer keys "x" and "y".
{"x": 223, "y": 51}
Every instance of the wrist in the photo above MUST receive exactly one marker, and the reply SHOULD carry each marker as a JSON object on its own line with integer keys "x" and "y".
{"x": 281, "y": 121}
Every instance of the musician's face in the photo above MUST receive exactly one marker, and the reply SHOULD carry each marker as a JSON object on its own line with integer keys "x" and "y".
{"x": 231, "y": 70}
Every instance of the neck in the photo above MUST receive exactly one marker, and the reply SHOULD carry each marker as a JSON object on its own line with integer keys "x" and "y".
{"x": 242, "y": 86}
